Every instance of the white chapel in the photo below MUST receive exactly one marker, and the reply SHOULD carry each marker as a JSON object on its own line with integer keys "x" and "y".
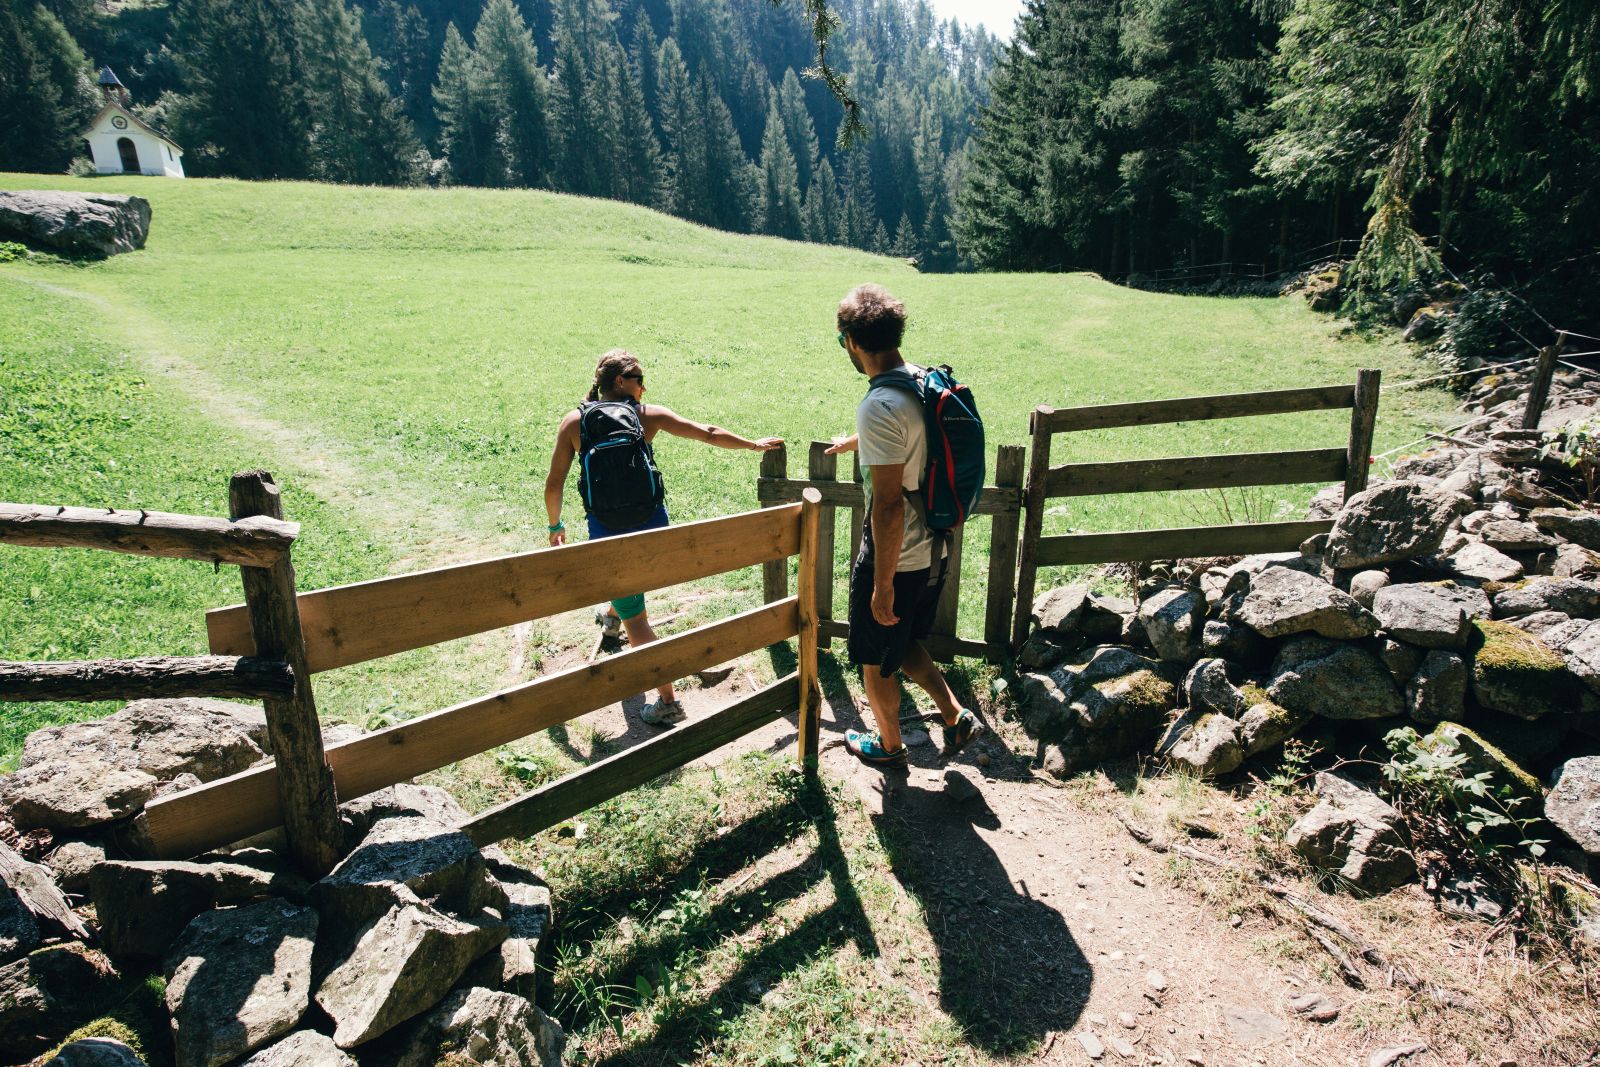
{"x": 121, "y": 144}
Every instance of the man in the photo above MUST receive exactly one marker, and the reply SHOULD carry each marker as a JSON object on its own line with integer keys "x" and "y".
{"x": 897, "y": 577}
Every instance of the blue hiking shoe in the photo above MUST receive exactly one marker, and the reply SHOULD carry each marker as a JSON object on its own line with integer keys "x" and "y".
{"x": 868, "y": 748}
{"x": 964, "y": 729}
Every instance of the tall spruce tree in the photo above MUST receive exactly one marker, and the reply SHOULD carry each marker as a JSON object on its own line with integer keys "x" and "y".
{"x": 684, "y": 132}
{"x": 797, "y": 125}
{"x": 640, "y": 169}
{"x": 516, "y": 83}
{"x": 468, "y": 115}
{"x": 42, "y": 89}
{"x": 783, "y": 215}
{"x": 358, "y": 132}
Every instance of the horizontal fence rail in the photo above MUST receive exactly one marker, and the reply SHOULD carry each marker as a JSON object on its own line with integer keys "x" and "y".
{"x": 254, "y": 542}
{"x": 149, "y": 676}
{"x": 368, "y": 620}
{"x": 246, "y": 803}
{"x": 1174, "y": 474}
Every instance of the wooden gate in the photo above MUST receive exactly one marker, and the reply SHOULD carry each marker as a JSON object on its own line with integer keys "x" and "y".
{"x": 1045, "y": 482}
{"x": 1001, "y": 503}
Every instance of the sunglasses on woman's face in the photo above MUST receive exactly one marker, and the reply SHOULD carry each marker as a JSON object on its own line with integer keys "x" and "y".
{"x": 635, "y": 377}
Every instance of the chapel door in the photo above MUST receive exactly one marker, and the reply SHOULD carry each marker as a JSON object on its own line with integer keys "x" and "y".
{"x": 129, "y": 154}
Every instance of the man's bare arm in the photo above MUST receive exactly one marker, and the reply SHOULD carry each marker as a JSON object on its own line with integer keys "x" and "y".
{"x": 888, "y": 534}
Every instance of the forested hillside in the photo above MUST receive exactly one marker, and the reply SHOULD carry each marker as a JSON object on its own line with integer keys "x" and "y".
{"x": 696, "y": 107}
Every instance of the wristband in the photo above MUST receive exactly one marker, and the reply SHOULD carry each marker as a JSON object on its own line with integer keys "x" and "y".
{"x": 558, "y": 526}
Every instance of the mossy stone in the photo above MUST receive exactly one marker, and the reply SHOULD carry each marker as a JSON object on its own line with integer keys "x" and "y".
{"x": 1506, "y": 775}
{"x": 1515, "y": 672}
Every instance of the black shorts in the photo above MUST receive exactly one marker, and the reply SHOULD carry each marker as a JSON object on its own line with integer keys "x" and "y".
{"x": 916, "y": 600}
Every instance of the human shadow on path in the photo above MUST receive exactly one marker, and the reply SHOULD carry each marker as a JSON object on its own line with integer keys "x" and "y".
{"x": 1010, "y": 970}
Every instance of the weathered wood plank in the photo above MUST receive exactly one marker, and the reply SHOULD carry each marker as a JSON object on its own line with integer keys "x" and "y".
{"x": 259, "y": 541}
{"x": 774, "y": 572}
{"x": 36, "y": 891}
{"x": 1196, "y": 472}
{"x": 304, "y": 783}
{"x": 1539, "y": 389}
{"x": 147, "y": 676}
{"x": 810, "y": 577}
{"x": 995, "y": 499}
{"x": 1197, "y": 408}
{"x": 1187, "y": 542}
{"x": 949, "y": 606}
{"x": 824, "y": 468}
{"x": 615, "y": 775}
{"x": 220, "y": 812}
{"x": 1008, "y": 472}
{"x": 353, "y": 623}
{"x": 1363, "y": 421}
{"x": 1032, "y": 522}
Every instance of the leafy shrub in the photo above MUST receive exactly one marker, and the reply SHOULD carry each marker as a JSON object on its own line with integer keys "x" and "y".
{"x": 1485, "y": 322}
{"x": 10, "y": 251}
{"x": 1578, "y": 446}
{"x": 81, "y": 167}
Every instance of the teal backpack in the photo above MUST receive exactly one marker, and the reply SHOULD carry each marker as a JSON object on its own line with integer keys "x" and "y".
{"x": 953, "y": 479}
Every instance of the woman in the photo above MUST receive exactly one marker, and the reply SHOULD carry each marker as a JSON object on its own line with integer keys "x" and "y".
{"x": 610, "y": 434}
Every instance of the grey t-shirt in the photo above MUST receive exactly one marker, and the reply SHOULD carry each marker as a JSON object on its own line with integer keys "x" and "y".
{"x": 889, "y": 424}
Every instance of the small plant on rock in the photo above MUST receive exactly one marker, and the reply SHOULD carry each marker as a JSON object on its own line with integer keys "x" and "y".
{"x": 1577, "y": 445}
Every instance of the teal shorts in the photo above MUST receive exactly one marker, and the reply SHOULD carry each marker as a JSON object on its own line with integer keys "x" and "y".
{"x": 629, "y": 606}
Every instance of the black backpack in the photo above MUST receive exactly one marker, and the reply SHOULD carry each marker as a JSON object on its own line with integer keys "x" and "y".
{"x": 618, "y": 479}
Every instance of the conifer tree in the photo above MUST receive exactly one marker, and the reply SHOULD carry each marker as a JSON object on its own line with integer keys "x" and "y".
{"x": 733, "y": 182}
{"x": 905, "y": 239}
{"x": 783, "y": 216}
{"x": 824, "y": 210}
{"x": 643, "y": 54}
{"x": 42, "y": 90}
{"x": 516, "y": 84}
{"x": 468, "y": 122}
{"x": 641, "y": 166}
{"x": 797, "y": 126}
{"x": 683, "y": 129}
{"x": 358, "y": 131}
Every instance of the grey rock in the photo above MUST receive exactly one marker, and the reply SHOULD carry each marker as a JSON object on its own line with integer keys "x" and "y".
{"x": 1173, "y": 618}
{"x": 79, "y": 224}
{"x": 1040, "y": 652}
{"x": 1364, "y": 585}
{"x": 1317, "y": 676}
{"x": 1471, "y": 898}
{"x": 1574, "y": 561}
{"x": 1520, "y": 674}
{"x": 959, "y": 787}
{"x": 1431, "y": 616}
{"x": 1390, "y": 522}
{"x": 1209, "y": 689}
{"x": 303, "y": 1048}
{"x": 1317, "y": 1007}
{"x": 95, "y": 1052}
{"x": 1232, "y": 641}
{"x": 32, "y": 908}
{"x": 1509, "y": 535}
{"x": 403, "y": 964}
{"x": 1326, "y": 503}
{"x": 71, "y": 863}
{"x": 1254, "y": 1027}
{"x": 1091, "y": 1044}
{"x": 519, "y": 964}
{"x": 209, "y": 739}
{"x": 1577, "y": 641}
{"x": 144, "y": 905}
{"x": 239, "y": 978}
{"x": 404, "y": 799}
{"x": 1540, "y": 622}
{"x": 1438, "y": 691}
{"x": 1401, "y": 659}
{"x": 19, "y": 930}
{"x": 1353, "y": 833}
{"x": 1480, "y": 562}
{"x": 1105, "y": 702}
{"x": 1282, "y": 601}
{"x": 403, "y": 859}
{"x": 44, "y": 995}
{"x": 1574, "y": 802}
{"x": 1059, "y": 609}
{"x": 1265, "y": 725}
{"x": 1426, "y": 324}
{"x": 1579, "y": 527}
{"x": 1434, "y": 463}
{"x": 492, "y": 1028}
{"x": 1573, "y": 596}
{"x": 71, "y": 796}
{"x": 1203, "y": 741}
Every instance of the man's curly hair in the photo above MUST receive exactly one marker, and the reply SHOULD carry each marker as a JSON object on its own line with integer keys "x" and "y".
{"x": 872, "y": 317}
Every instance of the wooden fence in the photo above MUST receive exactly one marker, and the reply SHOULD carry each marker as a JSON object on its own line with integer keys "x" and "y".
{"x": 328, "y": 628}
{"x": 1001, "y": 503}
{"x": 1045, "y": 482}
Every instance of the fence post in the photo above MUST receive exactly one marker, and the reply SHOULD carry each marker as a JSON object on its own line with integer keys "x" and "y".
{"x": 1540, "y": 391}
{"x": 948, "y": 610}
{"x": 810, "y": 687}
{"x": 775, "y": 574}
{"x": 1363, "y": 417}
{"x": 305, "y": 783}
{"x": 1032, "y": 522}
{"x": 824, "y": 468}
{"x": 1008, "y": 466}
{"x": 857, "y": 514}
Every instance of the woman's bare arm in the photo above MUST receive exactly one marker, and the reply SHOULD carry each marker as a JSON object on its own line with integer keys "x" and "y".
{"x": 555, "y": 482}
{"x": 658, "y": 419}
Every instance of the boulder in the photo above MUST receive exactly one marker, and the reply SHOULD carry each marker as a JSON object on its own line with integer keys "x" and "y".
{"x": 1282, "y": 601}
{"x": 1104, "y": 617}
{"x": 1364, "y": 585}
{"x": 1105, "y": 702}
{"x": 1318, "y": 676}
{"x": 1481, "y": 563}
{"x": 403, "y": 860}
{"x": 70, "y": 796}
{"x": 518, "y": 965}
{"x": 163, "y": 738}
{"x": 95, "y": 1052}
{"x": 71, "y": 863}
{"x": 1326, "y": 503}
{"x": 1426, "y": 324}
{"x": 1354, "y": 834}
{"x": 1203, "y": 741}
{"x": 1577, "y": 641}
{"x": 1438, "y": 691}
{"x": 1264, "y": 725}
{"x": 303, "y": 1048}
{"x": 404, "y": 799}
{"x": 1040, "y": 652}
{"x": 1208, "y": 689}
{"x": 1540, "y": 622}
{"x": 1515, "y": 787}
{"x": 1574, "y": 562}
{"x": 1519, "y": 674}
{"x": 1509, "y": 535}
{"x": 1473, "y": 474}
{"x": 1173, "y": 618}
{"x": 19, "y": 930}
{"x": 32, "y": 909}
{"x": 1573, "y": 596}
{"x": 1393, "y": 521}
{"x": 1231, "y": 641}
{"x": 44, "y": 995}
{"x": 1059, "y": 609}
{"x": 143, "y": 905}
{"x": 1574, "y": 802}
{"x": 238, "y": 978}
{"x": 403, "y": 964}
{"x": 1431, "y": 615}
{"x": 483, "y": 1026}
{"x": 1401, "y": 659}
{"x": 78, "y": 224}
{"x": 1580, "y": 527}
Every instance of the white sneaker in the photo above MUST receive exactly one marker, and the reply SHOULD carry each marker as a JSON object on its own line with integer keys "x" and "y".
{"x": 663, "y": 713}
{"x": 610, "y": 625}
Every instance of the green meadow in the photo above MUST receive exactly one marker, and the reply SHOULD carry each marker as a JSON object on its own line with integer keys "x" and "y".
{"x": 400, "y": 358}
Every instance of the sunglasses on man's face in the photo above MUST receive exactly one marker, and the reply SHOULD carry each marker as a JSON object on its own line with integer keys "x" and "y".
{"x": 841, "y": 341}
